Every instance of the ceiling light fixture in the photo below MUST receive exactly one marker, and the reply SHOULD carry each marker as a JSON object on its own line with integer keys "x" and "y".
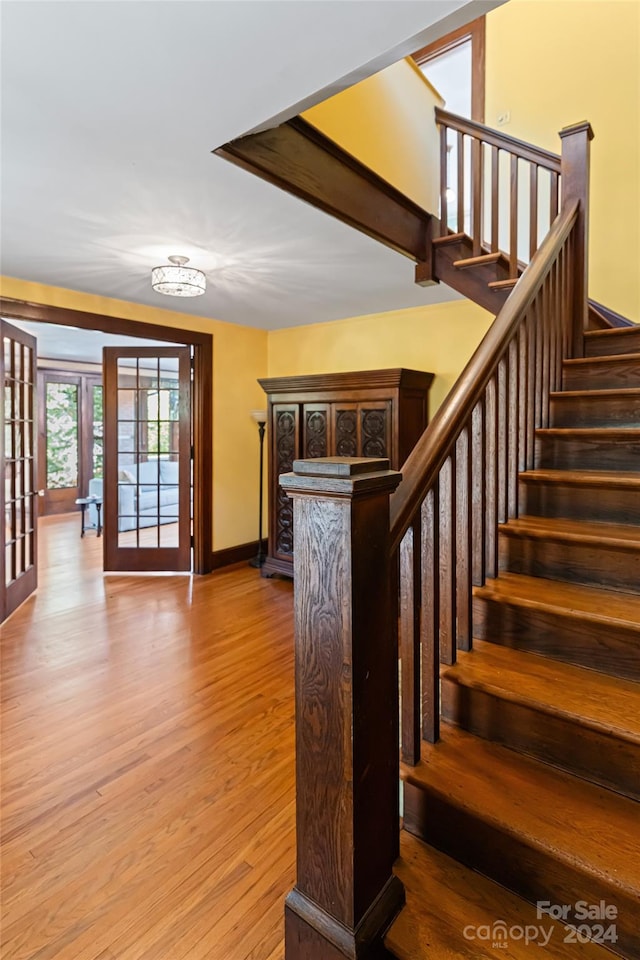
{"x": 177, "y": 280}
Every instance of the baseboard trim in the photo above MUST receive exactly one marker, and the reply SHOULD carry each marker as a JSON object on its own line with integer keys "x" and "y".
{"x": 242, "y": 551}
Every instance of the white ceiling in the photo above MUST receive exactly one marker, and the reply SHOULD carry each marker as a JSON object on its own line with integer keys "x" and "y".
{"x": 110, "y": 111}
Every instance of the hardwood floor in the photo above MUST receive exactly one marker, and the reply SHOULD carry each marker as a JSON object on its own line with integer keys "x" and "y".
{"x": 147, "y": 762}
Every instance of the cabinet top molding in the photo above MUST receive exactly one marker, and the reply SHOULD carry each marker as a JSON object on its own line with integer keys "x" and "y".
{"x": 358, "y": 379}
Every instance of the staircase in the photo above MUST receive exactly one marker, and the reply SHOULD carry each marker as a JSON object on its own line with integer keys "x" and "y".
{"x": 535, "y": 781}
{"x": 516, "y": 532}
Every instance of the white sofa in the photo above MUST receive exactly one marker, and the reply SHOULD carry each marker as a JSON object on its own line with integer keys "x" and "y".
{"x": 147, "y": 494}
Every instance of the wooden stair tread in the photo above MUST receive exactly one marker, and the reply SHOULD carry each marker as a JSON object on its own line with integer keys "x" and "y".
{"x": 443, "y": 897}
{"x": 625, "y": 536}
{"x": 601, "y": 702}
{"x": 479, "y": 261}
{"x": 578, "y": 823}
{"x": 583, "y": 478}
{"x": 502, "y": 284}
{"x": 574, "y": 599}
{"x": 604, "y": 433}
{"x": 450, "y": 238}
{"x": 609, "y": 358}
{"x": 624, "y": 392}
{"x": 615, "y": 331}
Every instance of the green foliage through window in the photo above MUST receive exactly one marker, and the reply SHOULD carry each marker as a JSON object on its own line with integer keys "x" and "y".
{"x": 62, "y": 435}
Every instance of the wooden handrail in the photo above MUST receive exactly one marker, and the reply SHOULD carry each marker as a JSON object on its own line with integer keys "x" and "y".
{"x": 438, "y": 440}
{"x": 527, "y": 151}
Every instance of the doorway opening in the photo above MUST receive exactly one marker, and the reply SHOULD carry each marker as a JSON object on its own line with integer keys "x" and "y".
{"x": 173, "y": 435}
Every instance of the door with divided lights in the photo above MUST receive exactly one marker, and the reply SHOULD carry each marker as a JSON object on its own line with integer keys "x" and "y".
{"x": 18, "y": 504}
{"x": 147, "y": 458}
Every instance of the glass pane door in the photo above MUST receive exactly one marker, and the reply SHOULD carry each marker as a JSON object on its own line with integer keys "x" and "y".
{"x": 147, "y": 459}
{"x": 18, "y": 563}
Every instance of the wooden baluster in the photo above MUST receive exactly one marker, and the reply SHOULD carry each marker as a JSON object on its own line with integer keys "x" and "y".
{"x": 554, "y": 190}
{"x": 347, "y": 730}
{"x": 533, "y": 209}
{"x": 409, "y": 635}
{"x": 502, "y": 452}
{"x": 538, "y": 305}
{"x": 495, "y": 199}
{"x": 555, "y": 346}
{"x": 491, "y": 479}
{"x": 430, "y": 621}
{"x": 513, "y": 219}
{"x": 447, "y": 562}
{"x": 444, "y": 227}
{"x": 523, "y": 366}
{"x": 463, "y": 542}
{"x": 531, "y": 385}
{"x": 545, "y": 315}
{"x": 478, "y": 494}
{"x": 513, "y": 372}
{"x": 460, "y": 199}
{"x": 575, "y": 185}
{"x": 476, "y": 195}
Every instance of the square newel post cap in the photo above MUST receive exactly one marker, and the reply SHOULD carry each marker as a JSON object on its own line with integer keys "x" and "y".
{"x": 340, "y": 477}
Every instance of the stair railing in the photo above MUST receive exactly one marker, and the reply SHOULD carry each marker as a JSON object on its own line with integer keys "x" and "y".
{"x": 461, "y": 480}
{"x": 482, "y": 173}
{"x": 351, "y": 518}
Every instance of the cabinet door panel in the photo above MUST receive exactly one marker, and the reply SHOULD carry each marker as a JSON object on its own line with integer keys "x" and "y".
{"x": 375, "y": 429}
{"x": 286, "y": 449}
{"x": 316, "y": 430}
{"x": 345, "y": 429}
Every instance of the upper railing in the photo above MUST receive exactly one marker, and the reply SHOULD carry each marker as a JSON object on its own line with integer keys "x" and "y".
{"x": 458, "y": 485}
{"x": 502, "y": 192}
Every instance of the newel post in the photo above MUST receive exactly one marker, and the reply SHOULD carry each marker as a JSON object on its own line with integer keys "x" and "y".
{"x": 347, "y": 735}
{"x": 575, "y": 186}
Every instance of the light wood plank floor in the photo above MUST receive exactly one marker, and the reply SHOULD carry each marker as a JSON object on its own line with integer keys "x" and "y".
{"x": 147, "y": 762}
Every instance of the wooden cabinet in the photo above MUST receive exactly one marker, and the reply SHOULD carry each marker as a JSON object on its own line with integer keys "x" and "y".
{"x": 370, "y": 413}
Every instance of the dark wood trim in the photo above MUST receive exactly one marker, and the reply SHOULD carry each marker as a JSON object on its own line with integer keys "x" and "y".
{"x": 298, "y": 158}
{"x": 476, "y": 33}
{"x": 202, "y": 344}
{"x": 526, "y": 151}
{"x": 230, "y": 555}
{"x": 85, "y": 320}
{"x": 353, "y": 380}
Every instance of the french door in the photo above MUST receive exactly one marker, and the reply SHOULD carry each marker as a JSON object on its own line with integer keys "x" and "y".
{"x": 18, "y": 506}
{"x": 147, "y": 458}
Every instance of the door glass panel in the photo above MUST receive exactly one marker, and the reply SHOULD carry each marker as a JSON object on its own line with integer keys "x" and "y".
{"x": 148, "y": 469}
{"x": 98, "y": 432}
{"x": 62, "y": 435}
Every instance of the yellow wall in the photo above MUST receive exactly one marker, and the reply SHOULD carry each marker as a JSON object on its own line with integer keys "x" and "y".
{"x": 239, "y": 358}
{"x": 551, "y": 63}
{"x": 384, "y": 122}
{"x": 439, "y": 338}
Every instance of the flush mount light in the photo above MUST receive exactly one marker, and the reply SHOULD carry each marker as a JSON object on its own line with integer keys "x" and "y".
{"x": 175, "y": 279}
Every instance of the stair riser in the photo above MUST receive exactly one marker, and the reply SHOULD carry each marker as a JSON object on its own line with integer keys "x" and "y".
{"x": 620, "y": 342}
{"x": 598, "y": 411}
{"x": 609, "y": 505}
{"x": 600, "y": 645}
{"x": 614, "y": 374}
{"x": 571, "y": 453}
{"x": 516, "y": 862}
{"x": 590, "y": 563}
{"x": 561, "y": 741}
